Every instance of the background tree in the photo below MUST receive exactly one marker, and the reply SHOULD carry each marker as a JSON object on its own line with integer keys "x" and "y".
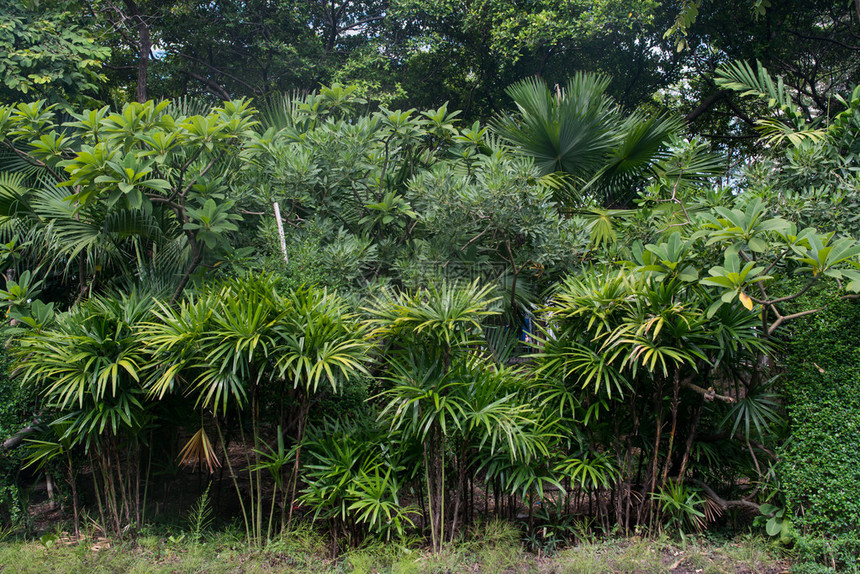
{"x": 148, "y": 185}
{"x": 48, "y": 51}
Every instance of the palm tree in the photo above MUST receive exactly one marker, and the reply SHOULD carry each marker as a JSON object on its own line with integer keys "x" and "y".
{"x": 579, "y": 133}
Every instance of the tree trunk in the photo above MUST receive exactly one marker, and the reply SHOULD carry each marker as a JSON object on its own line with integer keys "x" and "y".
{"x": 303, "y": 413}
{"x": 435, "y": 476}
{"x": 144, "y": 47}
{"x": 676, "y": 386}
{"x": 75, "y": 503}
{"x": 461, "y": 480}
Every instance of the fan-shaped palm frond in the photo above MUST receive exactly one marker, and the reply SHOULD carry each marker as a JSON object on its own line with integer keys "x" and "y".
{"x": 580, "y": 131}
{"x": 188, "y": 106}
{"x": 447, "y": 314}
{"x": 13, "y": 202}
{"x": 569, "y": 131}
{"x": 643, "y": 142}
{"x": 281, "y": 111}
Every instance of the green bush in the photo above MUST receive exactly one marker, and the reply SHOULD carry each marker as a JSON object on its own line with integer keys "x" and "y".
{"x": 820, "y": 465}
{"x": 13, "y": 409}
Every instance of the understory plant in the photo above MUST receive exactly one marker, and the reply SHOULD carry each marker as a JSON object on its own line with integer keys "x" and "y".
{"x": 239, "y": 339}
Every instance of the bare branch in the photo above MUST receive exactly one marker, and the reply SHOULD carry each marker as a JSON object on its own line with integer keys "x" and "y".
{"x": 16, "y": 439}
{"x": 722, "y": 502}
{"x": 710, "y": 394}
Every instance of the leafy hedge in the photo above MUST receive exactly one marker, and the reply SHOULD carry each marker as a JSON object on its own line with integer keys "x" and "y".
{"x": 820, "y": 464}
{"x": 12, "y": 408}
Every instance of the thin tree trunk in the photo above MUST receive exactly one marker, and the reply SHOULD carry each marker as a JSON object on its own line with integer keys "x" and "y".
{"x": 49, "y": 486}
{"x": 233, "y": 478}
{"x": 123, "y": 487}
{"x": 196, "y": 259}
{"x": 461, "y": 477}
{"x": 435, "y": 476}
{"x": 694, "y": 426}
{"x": 73, "y": 485}
{"x": 144, "y": 47}
{"x": 676, "y": 386}
{"x": 303, "y": 411}
{"x": 110, "y": 492}
{"x": 98, "y": 494}
{"x": 658, "y": 406}
{"x": 255, "y": 425}
{"x": 17, "y": 439}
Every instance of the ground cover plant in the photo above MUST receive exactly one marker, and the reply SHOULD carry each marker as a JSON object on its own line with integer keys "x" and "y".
{"x": 320, "y": 330}
{"x": 498, "y": 550}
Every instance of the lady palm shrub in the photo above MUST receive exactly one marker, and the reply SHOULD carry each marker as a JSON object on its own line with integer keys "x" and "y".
{"x": 682, "y": 507}
{"x": 629, "y": 355}
{"x": 235, "y": 340}
{"x": 354, "y": 475}
{"x": 658, "y": 356}
{"x": 445, "y": 392}
{"x": 90, "y": 366}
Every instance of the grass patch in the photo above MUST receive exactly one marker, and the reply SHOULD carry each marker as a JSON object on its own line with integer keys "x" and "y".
{"x": 494, "y": 548}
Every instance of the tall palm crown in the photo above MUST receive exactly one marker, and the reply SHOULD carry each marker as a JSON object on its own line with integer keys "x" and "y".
{"x": 580, "y": 133}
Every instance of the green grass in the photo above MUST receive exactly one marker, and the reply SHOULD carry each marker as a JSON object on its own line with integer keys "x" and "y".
{"x": 494, "y": 549}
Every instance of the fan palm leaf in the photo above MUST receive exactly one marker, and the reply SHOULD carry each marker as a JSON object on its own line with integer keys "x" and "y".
{"x": 581, "y": 132}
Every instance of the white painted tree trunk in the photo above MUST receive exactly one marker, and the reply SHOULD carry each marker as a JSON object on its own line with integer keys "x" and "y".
{"x": 281, "y": 231}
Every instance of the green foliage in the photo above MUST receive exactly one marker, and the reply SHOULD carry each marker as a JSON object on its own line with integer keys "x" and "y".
{"x": 245, "y": 333}
{"x": 92, "y": 354}
{"x": 143, "y": 187}
{"x": 15, "y": 401}
{"x": 238, "y": 339}
{"x": 200, "y": 515}
{"x": 790, "y": 121}
{"x": 650, "y": 389}
{"x": 46, "y": 49}
{"x": 579, "y": 131}
{"x": 819, "y": 466}
{"x": 682, "y": 507}
{"x": 776, "y": 522}
{"x": 354, "y": 477}
{"x": 444, "y": 393}
{"x": 669, "y": 320}
{"x": 90, "y": 367}
{"x": 492, "y": 547}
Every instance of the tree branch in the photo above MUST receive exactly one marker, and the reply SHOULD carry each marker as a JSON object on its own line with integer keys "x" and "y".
{"x": 16, "y": 439}
{"x": 825, "y": 39}
{"x": 710, "y": 394}
{"x": 213, "y": 86}
{"x": 722, "y": 502}
{"x": 705, "y": 105}
{"x": 218, "y": 71}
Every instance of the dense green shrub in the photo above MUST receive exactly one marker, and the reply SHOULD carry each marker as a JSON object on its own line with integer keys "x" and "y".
{"x": 13, "y": 412}
{"x": 820, "y": 465}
